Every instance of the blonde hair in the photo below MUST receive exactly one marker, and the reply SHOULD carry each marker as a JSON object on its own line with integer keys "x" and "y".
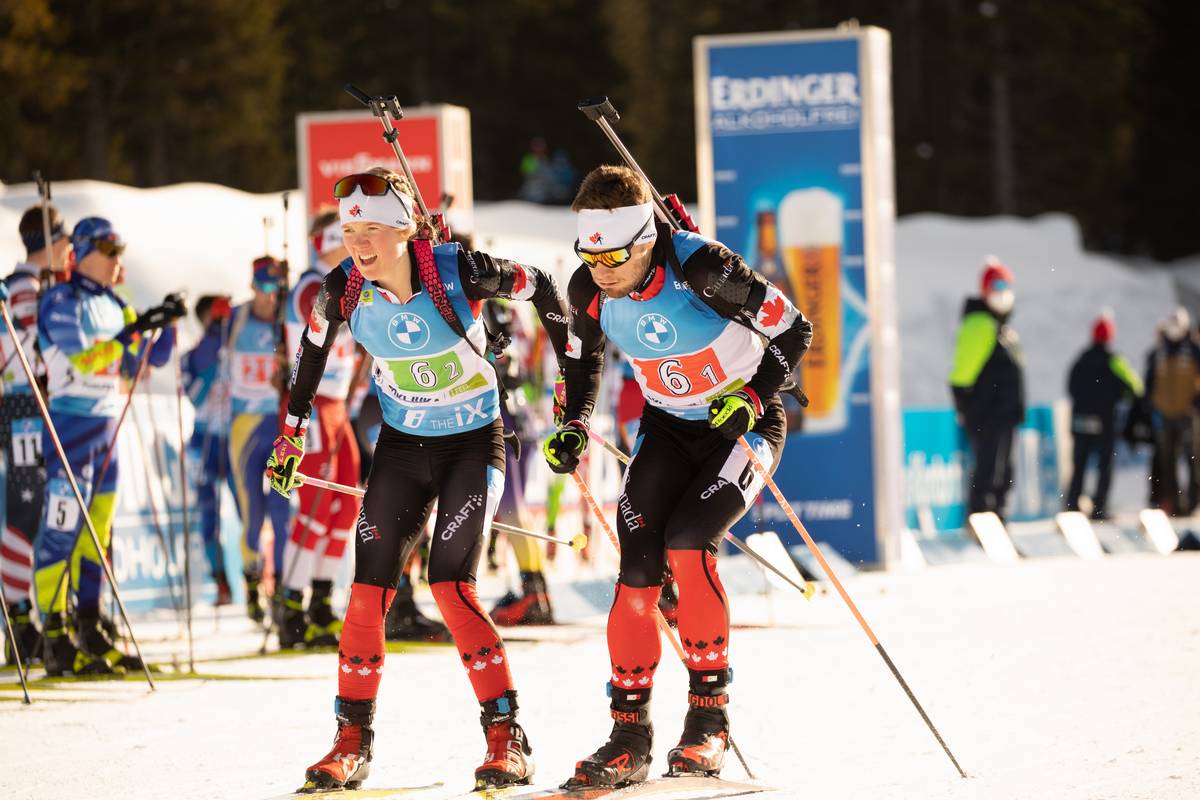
{"x": 400, "y": 183}
{"x": 610, "y": 186}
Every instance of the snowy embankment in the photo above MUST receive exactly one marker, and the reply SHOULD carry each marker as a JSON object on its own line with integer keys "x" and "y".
{"x": 202, "y": 237}
{"x": 1045, "y": 682}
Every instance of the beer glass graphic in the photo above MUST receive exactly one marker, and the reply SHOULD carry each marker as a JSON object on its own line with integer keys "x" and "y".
{"x": 810, "y": 233}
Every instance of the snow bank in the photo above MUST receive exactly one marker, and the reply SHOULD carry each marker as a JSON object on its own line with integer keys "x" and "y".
{"x": 202, "y": 237}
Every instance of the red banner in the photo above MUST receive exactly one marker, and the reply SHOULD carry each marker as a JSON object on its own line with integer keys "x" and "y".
{"x": 336, "y": 145}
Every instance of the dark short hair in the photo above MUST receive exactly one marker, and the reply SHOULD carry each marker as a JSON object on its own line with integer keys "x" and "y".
{"x": 611, "y": 186}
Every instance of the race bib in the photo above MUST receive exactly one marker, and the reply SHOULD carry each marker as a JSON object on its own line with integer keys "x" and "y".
{"x": 26, "y": 442}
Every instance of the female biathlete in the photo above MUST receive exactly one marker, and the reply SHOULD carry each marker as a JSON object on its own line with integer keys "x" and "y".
{"x": 410, "y": 305}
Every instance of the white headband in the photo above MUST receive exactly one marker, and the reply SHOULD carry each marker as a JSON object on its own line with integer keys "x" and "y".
{"x": 393, "y": 208}
{"x": 605, "y": 228}
{"x": 328, "y": 238}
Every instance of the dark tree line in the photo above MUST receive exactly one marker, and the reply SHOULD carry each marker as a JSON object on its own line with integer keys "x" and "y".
{"x": 1085, "y": 106}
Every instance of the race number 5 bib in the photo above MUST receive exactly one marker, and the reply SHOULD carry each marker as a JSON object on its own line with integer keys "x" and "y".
{"x": 62, "y": 511}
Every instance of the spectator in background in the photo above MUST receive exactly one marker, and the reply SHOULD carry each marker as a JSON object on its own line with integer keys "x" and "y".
{"x": 1099, "y": 380}
{"x": 1172, "y": 372}
{"x": 988, "y": 387}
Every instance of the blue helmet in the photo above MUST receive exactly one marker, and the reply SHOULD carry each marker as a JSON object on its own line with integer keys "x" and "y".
{"x": 89, "y": 232}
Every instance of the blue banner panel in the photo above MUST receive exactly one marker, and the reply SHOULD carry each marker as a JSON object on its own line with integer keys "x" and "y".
{"x": 937, "y": 468}
{"x": 785, "y": 124}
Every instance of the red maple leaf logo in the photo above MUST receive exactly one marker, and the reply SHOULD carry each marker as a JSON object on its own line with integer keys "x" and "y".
{"x": 570, "y": 349}
{"x": 356, "y": 211}
{"x": 771, "y": 312}
{"x": 596, "y": 238}
{"x": 519, "y": 280}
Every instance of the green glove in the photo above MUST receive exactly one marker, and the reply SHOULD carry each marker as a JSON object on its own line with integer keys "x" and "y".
{"x": 284, "y": 463}
{"x": 563, "y": 448}
{"x": 734, "y": 415}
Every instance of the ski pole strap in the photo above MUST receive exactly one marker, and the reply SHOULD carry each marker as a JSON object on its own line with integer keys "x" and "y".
{"x": 350, "y": 297}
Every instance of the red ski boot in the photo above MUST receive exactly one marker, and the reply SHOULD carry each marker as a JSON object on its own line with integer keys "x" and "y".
{"x": 531, "y": 607}
{"x": 509, "y": 757}
{"x": 705, "y": 739}
{"x": 625, "y": 757}
{"x": 348, "y": 764}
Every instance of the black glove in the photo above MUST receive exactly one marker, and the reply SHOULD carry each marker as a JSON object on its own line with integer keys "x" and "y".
{"x": 564, "y": 447}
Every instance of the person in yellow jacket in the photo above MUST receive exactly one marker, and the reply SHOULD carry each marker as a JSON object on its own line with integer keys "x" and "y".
{"x": 988, "y": 387}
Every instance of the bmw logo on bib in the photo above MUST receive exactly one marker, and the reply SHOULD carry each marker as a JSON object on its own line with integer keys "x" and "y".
{"x": 408, "y": 331}
{"x": 656, "y": 332}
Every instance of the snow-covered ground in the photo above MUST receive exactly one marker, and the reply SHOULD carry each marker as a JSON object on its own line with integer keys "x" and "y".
{"x": 1055, "y": 678}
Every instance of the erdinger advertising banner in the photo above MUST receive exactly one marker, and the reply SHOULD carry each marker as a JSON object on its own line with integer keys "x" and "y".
{"x": 794, "y": 151}
{"x": 436, "y": 140}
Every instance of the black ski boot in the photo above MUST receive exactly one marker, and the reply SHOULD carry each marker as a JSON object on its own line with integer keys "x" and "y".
{"x": 292, "y": 621}
{"x": 61, "y": 657}
{"x": 509, "y": 759}
{"x": 705, "y": 739}
{"x": 27, "y": 639}
{"x": 348, "y": 764}
{"x": 406, "y": 623}
{"x": 531, "y": 607}
{"x": 254, "y": 608}
{"x": 625, "y": 757}
{"x": 93, "y": 639}
{"x": 324, "y": 628}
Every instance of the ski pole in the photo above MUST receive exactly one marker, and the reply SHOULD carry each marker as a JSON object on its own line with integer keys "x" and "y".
{"x": 816, "y": 551}
{"x": 576, "y": 542}
{"x": 659, "y": 618}
{"x": 62, "y": 455}
{"x": 183, "y": 482}
{"x": 808, "y": 588}
{"x": 280, "y": 585}
{"x": 12, "y": 639}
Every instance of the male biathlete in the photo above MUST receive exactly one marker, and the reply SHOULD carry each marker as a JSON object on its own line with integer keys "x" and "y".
{"x": 711, "y": 342}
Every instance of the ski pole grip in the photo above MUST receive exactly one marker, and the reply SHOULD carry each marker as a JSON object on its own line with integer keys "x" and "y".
{"x": 358, "y": 94}
{"x": 597, "y": 108}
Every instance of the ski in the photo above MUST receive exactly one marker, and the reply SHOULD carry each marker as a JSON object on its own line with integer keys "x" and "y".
{"x": 363, "y": 794}
{"x": 681, "y": 788}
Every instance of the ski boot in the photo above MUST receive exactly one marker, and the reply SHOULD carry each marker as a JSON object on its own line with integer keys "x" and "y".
{"x": 61, "y": 657}
{"x": 625, "y": 757}
{"x": 224, "y": 593}
{"x": 93, "y": 639}
{"x": 254, "y": 608}
{"x": 348, "y": 764}
{"x": 406, "y": 623}
{"x": 324, "y": 628}
{"x": 532, "y": 607}
{"x": 705, "y": 739}
{"x": 509, "y": 759}
{"x": 27, "y": 639}
{"x": 292, "y": 623}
